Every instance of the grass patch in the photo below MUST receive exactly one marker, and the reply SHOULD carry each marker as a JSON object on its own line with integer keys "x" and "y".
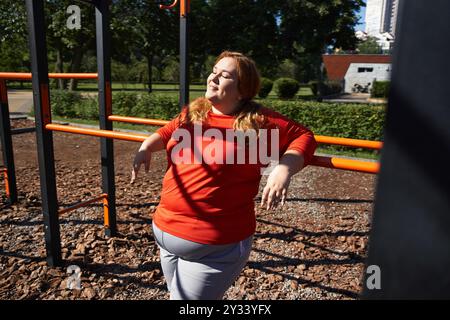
{"x": 350, "y": 152}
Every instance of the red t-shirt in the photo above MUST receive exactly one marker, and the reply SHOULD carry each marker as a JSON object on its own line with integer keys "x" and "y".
{"x": 213, "y": 203}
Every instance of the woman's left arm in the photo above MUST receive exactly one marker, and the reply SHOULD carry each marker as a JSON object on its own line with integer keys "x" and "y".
{"x": 278, "y": 181}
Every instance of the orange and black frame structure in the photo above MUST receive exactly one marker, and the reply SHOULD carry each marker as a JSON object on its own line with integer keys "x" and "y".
{"x": 44, "y": 138}
{"x": 102, "y": 16}
{"x": 184, "y": 48}
{"x": 184, "y": 52}
{"x": 6, "y": 142}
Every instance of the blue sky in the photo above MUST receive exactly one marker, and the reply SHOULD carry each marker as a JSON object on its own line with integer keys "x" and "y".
{"x": 361, "y": 14}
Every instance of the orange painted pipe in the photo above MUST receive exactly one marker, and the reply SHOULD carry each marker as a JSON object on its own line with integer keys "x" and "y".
{"x": 358, "y": 143}
{"x": 368, "y": 144}
{"x": 327, "y": 162}
{"x": 136, "y": 120}
{"x": 346, "y": 164}
{"x": 184, "y": 7}
{"x": 82, "y": 204}
{"x": 27, "y": 75}
{"x": 5, "y": 174}
{"x": 98, "y": 132}
{"x": 105, "y": 211}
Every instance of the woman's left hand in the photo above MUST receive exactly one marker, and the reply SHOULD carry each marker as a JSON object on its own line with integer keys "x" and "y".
{"x": 275, "y": 191}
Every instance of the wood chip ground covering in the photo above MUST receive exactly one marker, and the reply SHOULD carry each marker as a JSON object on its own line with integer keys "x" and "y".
{"x": 312, "y": 248}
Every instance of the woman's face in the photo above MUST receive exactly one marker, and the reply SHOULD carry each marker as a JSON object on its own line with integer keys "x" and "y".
{"x": 222, "y": 85}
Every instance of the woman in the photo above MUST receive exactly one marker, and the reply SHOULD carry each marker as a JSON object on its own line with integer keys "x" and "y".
{"x": 205, "y": 221}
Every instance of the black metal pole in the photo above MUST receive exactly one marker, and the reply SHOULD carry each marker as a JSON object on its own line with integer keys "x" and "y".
{"x": 105, "y": 110}
{"x": 184, "y": 53}
{"x": 6, "y": 140}
{"x": 44, "y": 138}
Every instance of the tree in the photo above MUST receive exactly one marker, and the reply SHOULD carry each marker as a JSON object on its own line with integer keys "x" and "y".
{"x": 308, "y": 27}
{"x": 240, "y": 25}
{"x": 14, "y": 51}
{"x": 369, "y": 46}
{"x": 69, "y": 44}
{"x": 141, "y": 29}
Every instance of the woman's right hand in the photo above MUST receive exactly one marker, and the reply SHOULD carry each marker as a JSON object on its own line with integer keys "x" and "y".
{"x": 143, "y": 156}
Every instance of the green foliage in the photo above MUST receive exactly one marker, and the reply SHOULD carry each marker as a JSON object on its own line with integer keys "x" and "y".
{"x": 64, "y": 103}
{"x": 285, "y": 38}
{"x": 286, "y": 88}
{"x": 123, "y": 102}
{"x": 207, "y": 67}
{"x": 171, "y": 72}
{"x": 156, "y": 106}
{"x": 287, "y": 69}
{"x": 87, "y": 108}
{"x": 369, "y": 46}
{"x": 266, "y": 87}
{"x": 327, "y": 87}
{"x": 330, "y": 87}
{"x": 357, "y": 121}
{"x": 70, "y": 104}
{"x": 314, "y": 85}
{"x": 380, "y": 89}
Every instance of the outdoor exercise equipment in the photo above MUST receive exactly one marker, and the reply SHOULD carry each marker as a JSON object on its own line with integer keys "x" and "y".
{"x": 5, "y": 127}
{"x": 45, "y": 127}
{"x": 184, "y": 47}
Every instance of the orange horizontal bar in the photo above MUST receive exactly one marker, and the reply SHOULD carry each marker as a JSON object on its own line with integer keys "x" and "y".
{"x": 358, "y": 143}
{"x": 346, "y": 164}
{"x": 327, "y": 162}
{"x": 136, "y": 120}
{"x": 368, "y": 144}
{"x": 98, "y": 132}
{"x": 27, "y": 75}
{"x": 82, "y": 204}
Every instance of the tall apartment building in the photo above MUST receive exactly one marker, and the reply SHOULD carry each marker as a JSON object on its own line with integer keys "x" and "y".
{"x": 381, "y": 18}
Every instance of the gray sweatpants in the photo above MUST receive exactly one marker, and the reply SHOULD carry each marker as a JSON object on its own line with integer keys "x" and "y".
{"x": 196, "y": 271}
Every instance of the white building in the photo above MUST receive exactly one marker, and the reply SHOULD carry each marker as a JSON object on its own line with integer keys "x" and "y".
{"x": 381, "y": 19}
{"x": 364, "y": 74}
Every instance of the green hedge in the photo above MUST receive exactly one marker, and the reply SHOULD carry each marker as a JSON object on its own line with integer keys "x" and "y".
{"x": 380, "y": 89}
{"x": 266, "y": 87}
{"x": 358, "y": 121}
{"x": 286, "y": 88}
{"x": 328, "y": 87}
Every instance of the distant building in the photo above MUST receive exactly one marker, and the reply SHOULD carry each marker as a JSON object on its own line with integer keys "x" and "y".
{"x": 361, "y": 69}
{"x": 381, "y": 19}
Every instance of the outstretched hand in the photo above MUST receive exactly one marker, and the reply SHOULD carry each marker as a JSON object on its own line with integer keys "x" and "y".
{"x": 152, "y": 144}
{"x": 143, "y": 156}
{"x": 275, "y": 191}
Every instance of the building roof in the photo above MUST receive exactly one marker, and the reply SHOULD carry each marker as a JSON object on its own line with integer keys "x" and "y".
{"x": 337, "y": 64}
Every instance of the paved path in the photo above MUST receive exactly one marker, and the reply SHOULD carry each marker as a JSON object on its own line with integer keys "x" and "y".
{"x": 20, "y": 102}
{"x": 355, "y": 98}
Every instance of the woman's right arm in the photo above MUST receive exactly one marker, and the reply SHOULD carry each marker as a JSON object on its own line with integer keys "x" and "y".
{"x": 152, "y": 144}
